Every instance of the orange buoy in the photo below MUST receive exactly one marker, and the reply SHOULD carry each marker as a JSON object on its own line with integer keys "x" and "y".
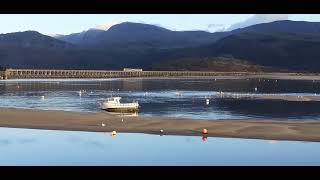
{"x": 205, "y": 131}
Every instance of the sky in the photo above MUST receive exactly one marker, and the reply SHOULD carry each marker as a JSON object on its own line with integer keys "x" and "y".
{"x": 50, "y": 24}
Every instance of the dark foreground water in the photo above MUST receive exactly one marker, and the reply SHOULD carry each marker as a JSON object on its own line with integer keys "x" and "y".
{"x": 166, "y": 97}
{"x": 48, "y": 147}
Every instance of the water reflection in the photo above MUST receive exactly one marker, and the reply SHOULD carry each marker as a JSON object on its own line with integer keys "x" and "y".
{"x": 123, "y": 114}
{"x": 85, "y": 142}
{"x": 204, "y": 138}
{"x": 49, "y": 147}
{"x": 273, "y": 141}
{"x": 132, "y": 85}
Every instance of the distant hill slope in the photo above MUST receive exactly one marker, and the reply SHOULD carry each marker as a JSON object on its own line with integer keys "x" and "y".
{"x": 153, "y": 36}
{"x": 144, "y": 35}
{"x": 278, "y": 50}
{"x": 278, "y": 45}
{"x": 32, "y": 39}
{"x": 224, "y": 64}
{"x": 85, "y": 37}
{"x": 282, "y": 26}
{"x": 31, "y": 49}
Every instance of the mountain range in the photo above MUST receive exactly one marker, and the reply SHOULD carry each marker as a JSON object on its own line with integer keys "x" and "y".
{"x": 276, "y": 46}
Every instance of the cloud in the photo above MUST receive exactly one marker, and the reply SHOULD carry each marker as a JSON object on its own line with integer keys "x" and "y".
{"x": 259, "y": 18}
{"x": 216, "y": 27}
{"x": 142, "y": 22}
{"x": 105, "y": 26}
{"x": 223, "y": 29}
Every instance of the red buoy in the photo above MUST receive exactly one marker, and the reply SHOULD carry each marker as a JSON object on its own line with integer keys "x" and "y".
{"x": 205, "y": 131}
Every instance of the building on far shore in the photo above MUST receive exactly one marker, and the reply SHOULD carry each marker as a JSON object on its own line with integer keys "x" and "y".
{"x": 3, "y": 73}
{"x": 131, "y": 69}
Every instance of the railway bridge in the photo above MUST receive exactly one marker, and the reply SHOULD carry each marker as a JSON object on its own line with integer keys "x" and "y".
{"x": 51, "y": 73}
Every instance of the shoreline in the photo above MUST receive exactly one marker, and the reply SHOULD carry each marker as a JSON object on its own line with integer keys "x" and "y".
{"x": 268, "y": 129}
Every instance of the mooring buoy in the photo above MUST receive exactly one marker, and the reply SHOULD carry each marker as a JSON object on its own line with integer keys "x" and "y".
{"x": 113, "y": 133}
{"x": 205, "y": 131}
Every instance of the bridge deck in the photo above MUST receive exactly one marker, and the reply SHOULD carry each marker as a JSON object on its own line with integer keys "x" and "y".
{"x": 50, "y": 73}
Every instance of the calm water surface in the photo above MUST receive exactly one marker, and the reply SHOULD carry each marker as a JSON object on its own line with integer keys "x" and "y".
{"x": 166, "y": 97}
{"x": 49, "y": 147}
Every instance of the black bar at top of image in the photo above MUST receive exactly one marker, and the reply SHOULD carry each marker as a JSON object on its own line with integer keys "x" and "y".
{"x": 160, "y": 6}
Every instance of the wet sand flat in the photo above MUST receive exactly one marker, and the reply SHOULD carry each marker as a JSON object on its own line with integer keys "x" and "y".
{"x": 285, "y": 98}
{"x": 247, "y": 96}
{"x": 285, "y": 76}
{"x": 250, "y": 75}
{"x": 306, "y": 130}
{"x": 289, "y": 98}
{"x": 279, "y": 76}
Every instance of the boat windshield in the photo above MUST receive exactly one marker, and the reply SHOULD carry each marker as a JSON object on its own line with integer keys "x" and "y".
{"x": 114, "y": 99}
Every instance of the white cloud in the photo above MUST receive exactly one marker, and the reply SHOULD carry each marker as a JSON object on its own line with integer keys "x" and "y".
{"x": 223, "y": 29}
{"x": 259, "y": 18}
{"x": 215, "y": 25}
{"x": 105, "y": 26}
{"x": 216, "y": 28}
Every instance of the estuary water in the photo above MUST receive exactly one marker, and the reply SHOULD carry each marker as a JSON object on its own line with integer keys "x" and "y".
{"x": 49, "y": 147}
{"x": 168, "y": 97}
{"x": 158, "y": 97}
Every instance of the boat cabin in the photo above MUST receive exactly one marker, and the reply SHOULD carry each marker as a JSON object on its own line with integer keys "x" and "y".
{"x": 114, "y": 100}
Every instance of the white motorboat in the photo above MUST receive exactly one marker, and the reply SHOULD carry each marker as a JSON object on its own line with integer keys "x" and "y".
{"x": 113, "y": 104}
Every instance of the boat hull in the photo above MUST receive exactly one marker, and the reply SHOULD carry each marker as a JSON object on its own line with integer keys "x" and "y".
{"x": 124, "y": 110}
